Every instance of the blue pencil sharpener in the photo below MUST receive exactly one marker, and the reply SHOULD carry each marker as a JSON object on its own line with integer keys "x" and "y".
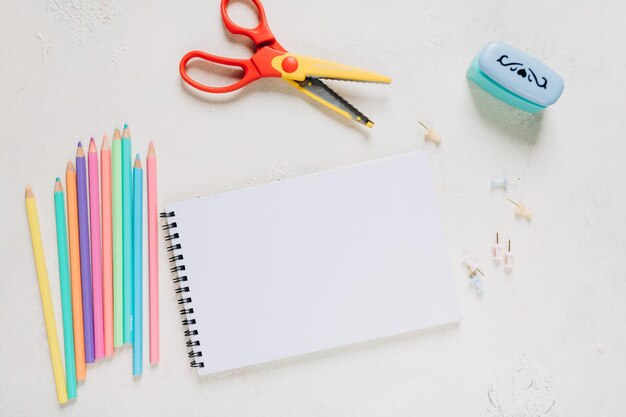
{"x": 515, "y": 77}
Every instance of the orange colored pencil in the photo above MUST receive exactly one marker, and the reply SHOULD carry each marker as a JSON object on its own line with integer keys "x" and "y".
{"x": 107, "y": 246}
{"x": 77, "y": 295}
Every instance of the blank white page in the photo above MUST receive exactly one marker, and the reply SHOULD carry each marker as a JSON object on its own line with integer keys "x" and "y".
{"x": 314, "y": 262}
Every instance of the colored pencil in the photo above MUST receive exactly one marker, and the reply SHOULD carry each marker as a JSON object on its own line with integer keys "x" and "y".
{"x": 66, "y": 296}
{"x": 85, "y": 261}
{"x": 137, "y": 267}
{"x": 153, "y": 255}
{"x": 116, "y": 201}
{"x": 107, "y": 246}
{"x": 96, "y": 249}
{"x": 127, "y": 237}
{"x": 46, "y": 298}
{"x": 77, "y": 298}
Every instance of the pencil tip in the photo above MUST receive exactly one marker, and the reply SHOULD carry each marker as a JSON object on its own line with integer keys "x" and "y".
{"x": 126, "y": 132}
{"x": 70, "y": 167}
{"x": 151, "y": 149}
{"x": 29, "y": 192}
{"x": 79, "y": 151}
{"x": 105, "y": 142}
{"x": 92, "y": 145}
{"x": 57, "y": 185}
{"x": 125, "y": 125}
{"x": 137, "y": 162}
{"x": 80, "y": 144}
{"x": 116, "y": 134}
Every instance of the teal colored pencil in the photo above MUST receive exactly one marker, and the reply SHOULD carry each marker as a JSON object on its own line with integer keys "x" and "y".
{"x": 66, "y": 290}
{"x": 118, "y": 250}
{"x": 137, "y": 267}
{"x": 127, "y": 234}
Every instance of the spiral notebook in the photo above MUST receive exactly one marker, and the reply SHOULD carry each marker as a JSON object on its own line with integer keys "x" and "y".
{"x": 310, "y": 263}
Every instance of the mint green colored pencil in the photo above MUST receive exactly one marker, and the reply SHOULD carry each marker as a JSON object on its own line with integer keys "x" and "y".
{"x": 116, "y": 214}
{"x": 66, "y": 290}
{"x": 127, "y": 235}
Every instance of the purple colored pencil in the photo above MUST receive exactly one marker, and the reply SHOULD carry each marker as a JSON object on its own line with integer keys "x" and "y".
{"x": 85, "y": 252}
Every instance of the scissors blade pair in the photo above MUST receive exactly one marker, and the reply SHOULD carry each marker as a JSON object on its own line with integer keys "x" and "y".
{"x": 320, "y": 92}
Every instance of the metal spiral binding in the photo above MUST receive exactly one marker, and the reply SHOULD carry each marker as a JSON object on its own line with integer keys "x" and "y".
{"x": 170, "y": 237}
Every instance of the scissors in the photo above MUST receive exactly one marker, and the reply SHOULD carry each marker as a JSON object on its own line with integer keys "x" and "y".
{"x": 272, "y": 60}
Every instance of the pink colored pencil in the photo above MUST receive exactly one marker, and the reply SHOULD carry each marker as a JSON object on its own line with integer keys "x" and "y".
{"x": 107, "y": 247}
{"x": 153, "y": 256}
{"x": 96, "y": 247}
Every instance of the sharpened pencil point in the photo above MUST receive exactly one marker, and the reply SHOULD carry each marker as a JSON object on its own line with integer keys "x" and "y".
{"x": 126, "y": 132}
{"x": 58, "y": 187}
{"x": 29, "y": 192}
{"x": 92, "y": 145}
{"x": 125, "y": 126}
{"x": 151, "y": 150}
{"x": 116, "y": 134}
{"x": 80, "y": 144}
{"x": 137, "y": 162}
{"x": 70, "y": 167}
{"x": 105, "y": 143}
{"x": 79, "y": 151}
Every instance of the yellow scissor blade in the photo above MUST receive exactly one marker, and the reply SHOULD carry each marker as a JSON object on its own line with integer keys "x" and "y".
{"x": 323, "y": 94}
{"x": 318, "y": 68}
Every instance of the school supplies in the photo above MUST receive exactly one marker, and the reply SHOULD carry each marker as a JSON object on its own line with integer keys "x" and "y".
{"x": 508, "y": 259}
{"x": 127, "y": 235}
{"x": 153, "y": 255}
{"x": 503, "y": 182}
{"x": 515, "y": 77}
{"x": 496, "y": 250}
{"x": 430, "y": 135}
{"x": 77, "y": 296}
{"x": 107, "y": 247}
{"x": 118, "y": 251}
{"x": 85, "y": 261}
{"x": 310, "y": 263}
{"x": 46, "y": 299}
{"x": 96, "y": 250}
{"x": 66, "y": 296}
{"x": 137, "y": 267}
{"x": 521, "y": 210}
{"x": 272, "y": 60}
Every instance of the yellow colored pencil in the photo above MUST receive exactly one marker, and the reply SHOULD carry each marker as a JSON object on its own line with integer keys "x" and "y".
{"x": 46, "y": 298}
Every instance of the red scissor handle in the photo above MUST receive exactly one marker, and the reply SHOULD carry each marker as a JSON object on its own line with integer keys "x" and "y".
{"x": 261, "y": 35}
{"x": 250, "y": 73}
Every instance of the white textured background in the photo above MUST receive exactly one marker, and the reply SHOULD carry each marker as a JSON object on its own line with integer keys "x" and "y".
{"x": 548, "y": 339}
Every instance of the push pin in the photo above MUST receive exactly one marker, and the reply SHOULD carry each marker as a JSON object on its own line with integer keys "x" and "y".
{"x": 496, "y": 250}
{"x": 508, "y": 259}
{"x": 430, "y": 134}
{"x": 474, "y": 280}
{"x": 502, "y": 182}
{"x": 522, "y": 211}
{"x": 472, "y": 267}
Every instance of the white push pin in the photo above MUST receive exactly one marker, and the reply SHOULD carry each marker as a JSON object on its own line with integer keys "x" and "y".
{"x": 522, "y": 211}
{"x": 496, "y": 250}
{"x": 508, "y": 259}
{"x": 502, "y": 182}
{"x": 431, "y": 135}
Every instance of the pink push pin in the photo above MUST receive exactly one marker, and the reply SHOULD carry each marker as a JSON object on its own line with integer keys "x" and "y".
{"x": 472, "y": 267}
{"x": 508, "y": 259}
{"x": 496, "y": 250}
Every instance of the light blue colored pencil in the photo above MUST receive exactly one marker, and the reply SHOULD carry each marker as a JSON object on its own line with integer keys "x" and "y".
{"x": 127, "y": 235}
{"x": 66, "y": 290}
{"x": 137, "y": 267}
